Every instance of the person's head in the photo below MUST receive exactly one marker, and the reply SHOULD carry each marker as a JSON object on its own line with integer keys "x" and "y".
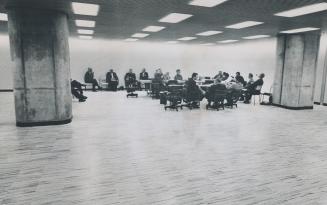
{"x": 220, "y": 72}
{"x": 111, "y": 70}
{"x": 225, "y": 75}
{"x": 250, "y": 75}
{"x": 178, "y": 71}
{"x": 262, "y": 75}
{"x": 89, "y": 69}
{"x": 130, "y": 70}
{"x": 194, "y": 76}
{"x": 159, "y": 70}
{"x": 143, "y": 70}
{"x": 238, "y": 73}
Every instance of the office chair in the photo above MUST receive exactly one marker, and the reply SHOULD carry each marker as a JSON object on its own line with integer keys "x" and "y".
{"x": 174, "y": 97}
{"x": 257, "y": 92}
{"x": 131, "y": 88}
{"x": 191, "y": 99}
{"x": 232, "y": 98}
{"x": 218, "y": 100}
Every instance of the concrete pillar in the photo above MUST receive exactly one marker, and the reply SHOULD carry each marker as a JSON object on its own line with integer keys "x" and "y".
{"x": 40, "y": 51}
{"x": 295, "y": 70}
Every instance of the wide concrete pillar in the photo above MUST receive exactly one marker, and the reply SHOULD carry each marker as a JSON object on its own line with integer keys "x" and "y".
{"x": 295, "y": 70}
{"x": 40, "y": 51}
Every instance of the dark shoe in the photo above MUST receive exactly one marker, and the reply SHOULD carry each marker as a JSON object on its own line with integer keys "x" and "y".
{"x": 84, "y": 97}
{"x": 81, "y": 100}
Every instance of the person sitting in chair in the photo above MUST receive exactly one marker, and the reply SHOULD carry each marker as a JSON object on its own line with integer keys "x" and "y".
{"x": 89, "y": 78}
{"x": 76, "y": 89}
{"x": 178, "y": 75}
{"x": 112, "y": 80}
{"x": 209, "y": 95}
{"x": 130, "y": 78}
{"x": 253, "y": 88}
{"x": 144, "y": 75}
{"x": 194, "y": 93}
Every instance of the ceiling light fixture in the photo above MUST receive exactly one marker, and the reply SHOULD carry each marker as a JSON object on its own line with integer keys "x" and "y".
{"x": 244, "y": 24}
{"x": 3, "y": 17}
{"x": 206, "y": 3}
{"x": 140, "y": 35}
{"x": 175, "y": 18}
{"x": 85, "y": 23}
{"x": 85, "y": 37}
{"x": 131, "y": 39}
{"x": 227, "y": 41}
{"x": 153, "y": 28}
{"x": 85, "y": 9}
{"x": 256, "y": 37}
{"x": 209, "y": 33}
{"x": 85, "y": 31}
{"x": 186, "y": 38}
{"x": 300, "y": 30}
{"x": 313, "y": 8}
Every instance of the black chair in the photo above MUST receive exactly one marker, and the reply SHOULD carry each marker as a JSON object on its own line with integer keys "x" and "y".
{"x": 233, "y": 97}
{"x": 174, "y": 97}
{"x": 218, "y": 100}
{"x": 191, "y": 99}
{"x": 131, "y": 88}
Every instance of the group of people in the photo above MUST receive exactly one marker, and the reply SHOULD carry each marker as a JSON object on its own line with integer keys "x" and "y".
{"x": 222, "y": 80}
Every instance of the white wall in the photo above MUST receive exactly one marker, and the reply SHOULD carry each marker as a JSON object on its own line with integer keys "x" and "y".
{"x": 252, "y": 56}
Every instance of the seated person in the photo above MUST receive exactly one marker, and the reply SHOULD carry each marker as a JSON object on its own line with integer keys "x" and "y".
{"x": 89, "y": 78}
{"x": 234, "y": 85}
{"x": 212, "y": 89}
{"x": 112, "y": 80}
{"x": 219, "y": 75}
{"x": 240, "y": 78}
{"x": 130, "y": 78}
{"x": 158, "y": 76}
{"x": 178, "y": 75}
{"x": 225, "y": 77}
{"x": 166, "y": 76}
{"x": 250, "y": 81}
{"x": 76, "y": 89}
{"x": 194, "y": 93}
{"x": 251, "y": 89}
{"x": 144, "y": 75}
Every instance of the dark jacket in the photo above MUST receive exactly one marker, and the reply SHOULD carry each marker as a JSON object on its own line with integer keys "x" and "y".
{"x": 88, "y": 77}
{"x": 130, "y": 78}
{"x": 111, "y": 77}
{"x": 193, "y": 92}
{"x": 178, "y": 77}
{"x": 144, "y": 76}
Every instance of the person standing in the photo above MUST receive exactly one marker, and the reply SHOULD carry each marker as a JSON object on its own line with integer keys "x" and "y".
{"x": 89, "y": 78}
{"x": 112, "y": 80}
{"x": 130, "y": 78}
{"x": 144, "y": 75}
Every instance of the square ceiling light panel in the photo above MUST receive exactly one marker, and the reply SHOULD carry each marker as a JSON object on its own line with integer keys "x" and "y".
{"x": 175, "y": 18}
{"x": 153, "y": 28}
{"x": 244, "y": 24}
{"x": 85, "y": 9}
{"x": 309, "y": 9}
{"x": 85, "y": 23}
{"x": 206, "y": 3}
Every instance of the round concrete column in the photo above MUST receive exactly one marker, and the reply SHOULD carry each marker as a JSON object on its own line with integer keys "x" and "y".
{"x": 40, "y": 52}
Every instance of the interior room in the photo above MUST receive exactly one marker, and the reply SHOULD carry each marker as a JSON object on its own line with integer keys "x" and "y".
{"x": 156, "y": 102}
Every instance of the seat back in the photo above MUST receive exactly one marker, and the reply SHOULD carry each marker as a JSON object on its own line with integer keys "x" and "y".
{"x": 220, "y": 96}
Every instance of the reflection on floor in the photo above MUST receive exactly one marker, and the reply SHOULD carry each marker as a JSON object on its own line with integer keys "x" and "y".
{"x": 131, "y": 151}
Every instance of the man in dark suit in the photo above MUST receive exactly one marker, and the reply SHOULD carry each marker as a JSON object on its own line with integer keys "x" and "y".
{"x": 210, "y": 94}
{"x": 112, "y": 80}
{"x": 89, "y": 78}
{"x": 76, "y": 89}
{"x": 144, "y": 75}
{"x": 193, "y": 92}
{"x": 130, "y": 78}
{"x": 240, "y": 78}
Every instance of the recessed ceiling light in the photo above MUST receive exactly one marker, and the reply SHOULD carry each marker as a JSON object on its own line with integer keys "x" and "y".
{"x": 85, "y": 31}
{"x": 186, "y": 38}
{"x": 209, "y": 33}
{"x": 140, "y": 35}
{"x": 300, "y": 30}
{"x": 131, "y": 39}
{"x": 227, "y": 41}
{"x": 85, "y": 37}
{"x": 3, "y": 17}
{"x": 172, "y": 42}
{"x": 153, "y": 28}
{"x": 85, "y": 23}
{"x": 175, "y": 18}
{"x": 244, "y": 24}
{"x": 256, "y": 37}
{"x": 85, "y": 9}
{"x": 206, "y": 3}
{"x": 207, "y": 44}
{"x": 313, "y": 8}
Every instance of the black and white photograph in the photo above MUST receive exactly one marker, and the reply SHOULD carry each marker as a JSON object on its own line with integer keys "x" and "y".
{"x": 163, "y": 102}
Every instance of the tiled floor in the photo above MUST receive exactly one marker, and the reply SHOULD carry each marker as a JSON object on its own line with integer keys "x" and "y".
{"x": 131, "y": 151}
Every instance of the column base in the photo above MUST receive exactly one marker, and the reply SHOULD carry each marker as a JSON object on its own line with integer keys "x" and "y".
{"x": 294, "y": 108}
{"x": 49, "y": 123}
